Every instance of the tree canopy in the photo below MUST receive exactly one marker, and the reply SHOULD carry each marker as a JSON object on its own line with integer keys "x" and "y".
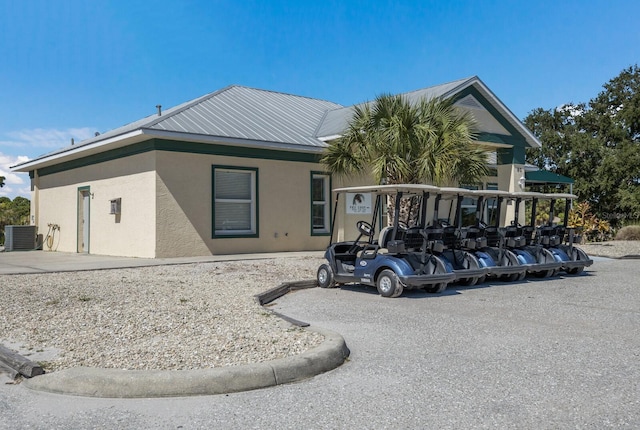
{"x": 14, "y": 212}
{"x": 598, "y": 145}
{"x": 402, "y": 142}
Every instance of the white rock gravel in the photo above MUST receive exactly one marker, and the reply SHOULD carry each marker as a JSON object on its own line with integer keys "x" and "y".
{"x": 167, "y": 317}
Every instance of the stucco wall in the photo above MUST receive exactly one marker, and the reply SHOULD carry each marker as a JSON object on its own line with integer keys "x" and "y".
{"x": 184, "y": 206}
{"x": 132, "y": 233}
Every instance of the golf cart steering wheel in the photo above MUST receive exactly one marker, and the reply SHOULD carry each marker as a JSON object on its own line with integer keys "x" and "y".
{"x": 365, "y": 228}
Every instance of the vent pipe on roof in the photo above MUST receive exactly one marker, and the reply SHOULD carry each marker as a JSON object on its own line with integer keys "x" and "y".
{"x": 159, "y": 107}
{"x": 73, "y": 141}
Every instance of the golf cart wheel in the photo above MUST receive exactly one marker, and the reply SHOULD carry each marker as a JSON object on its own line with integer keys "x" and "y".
{"x": 388, "y": 284}
{"x": 436, "y": 288}
{"x": 513, "y": 277}
{"x": 325, "y": 277}
{"x": 468, "y": 282}
{"x": 575, "y": 271}
{"x": 544, "y": 274}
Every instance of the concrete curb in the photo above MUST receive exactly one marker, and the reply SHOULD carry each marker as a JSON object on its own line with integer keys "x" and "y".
{"x": 94, "y": 382}
{"x": 117, "y": 383}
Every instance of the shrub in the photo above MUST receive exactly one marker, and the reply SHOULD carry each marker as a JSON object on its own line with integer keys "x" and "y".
{"x": 630, "y": 232}
{"x": 594, "y": 229}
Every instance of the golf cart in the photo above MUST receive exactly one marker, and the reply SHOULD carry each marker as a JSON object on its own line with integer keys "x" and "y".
{"x": 560, "y": 239}
{"x": 457, "y": 248}
{"x": 400, "y": 258}
{"x": 487, "y": 239}
{"x": 520, "y": 239}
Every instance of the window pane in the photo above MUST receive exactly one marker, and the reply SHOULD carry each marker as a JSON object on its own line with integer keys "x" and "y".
{"x": 318, "y": 216}
{"x": 233, "y": 185}
{"x": 233, "y": 216}
{"x": 317, "y": 193}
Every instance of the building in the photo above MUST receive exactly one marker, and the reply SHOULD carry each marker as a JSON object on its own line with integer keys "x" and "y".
{"x": 234, "y": 171}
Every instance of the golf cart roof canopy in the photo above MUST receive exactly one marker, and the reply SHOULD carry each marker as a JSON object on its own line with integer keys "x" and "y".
{"x": 389, "y": 189}
{"x": 561, "y": 196}
{"x": 489, "y": 193}
{"x": 525, "y": 195}
{"x": 452, "y": 191}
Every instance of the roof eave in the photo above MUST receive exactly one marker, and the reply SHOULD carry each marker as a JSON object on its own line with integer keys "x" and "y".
{"x": 71, "y": 153}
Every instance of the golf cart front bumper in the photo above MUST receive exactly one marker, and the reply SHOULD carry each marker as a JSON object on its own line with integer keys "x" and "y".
{"x": 470, "y": 273}
{"x": 508, "y": 270}
{"x": 541, "y": 267}
{"x": 568, "y": 265}
{"x": 420, "y": 280}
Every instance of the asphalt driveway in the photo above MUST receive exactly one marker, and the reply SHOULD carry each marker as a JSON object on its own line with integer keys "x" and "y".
{"x": 559, "y": 353}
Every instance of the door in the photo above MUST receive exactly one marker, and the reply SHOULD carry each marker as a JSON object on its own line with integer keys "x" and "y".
{"x": 83, "y": 219}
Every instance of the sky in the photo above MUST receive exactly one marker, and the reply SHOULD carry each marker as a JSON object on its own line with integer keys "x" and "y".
{"x": 70, "y": 68}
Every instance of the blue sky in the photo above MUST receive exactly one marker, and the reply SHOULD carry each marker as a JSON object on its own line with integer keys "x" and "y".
{"x": 70, "y": 68}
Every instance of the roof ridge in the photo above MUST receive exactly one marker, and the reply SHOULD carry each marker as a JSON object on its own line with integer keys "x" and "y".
{"x": 175, "y": 110}
{"x": 287, "y": 94}
{"x": 460, "y": 82}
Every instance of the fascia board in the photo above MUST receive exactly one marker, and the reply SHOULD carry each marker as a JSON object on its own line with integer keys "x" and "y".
{"x": 534, "y": 141}
{"x": 189, "y": 137}
{"x": 80, "y": 151}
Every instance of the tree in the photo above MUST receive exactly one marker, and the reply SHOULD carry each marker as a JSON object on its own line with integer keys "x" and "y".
{"x": 400, "y": 142}
{"x": 14, "y": 212}
{"x": 598, "y": 145}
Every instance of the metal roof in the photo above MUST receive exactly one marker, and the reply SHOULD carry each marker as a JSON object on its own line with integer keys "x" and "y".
{"x": 233, "y": 112}
{"x": 241, "y": 115}
{"x": 335, "y": 121}
{"x": 546, "y": 177}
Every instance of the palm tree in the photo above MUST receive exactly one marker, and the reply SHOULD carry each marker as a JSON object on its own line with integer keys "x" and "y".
{"x": 430, "y": 141}
{"x": 400, "y": 142}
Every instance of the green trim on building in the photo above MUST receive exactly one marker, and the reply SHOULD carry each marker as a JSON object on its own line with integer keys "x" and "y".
{"x": 80, "y": 201}
{"x": 185, "y": 147}
{"x": 213, "y": 204}
{"x": 515, "y": 155}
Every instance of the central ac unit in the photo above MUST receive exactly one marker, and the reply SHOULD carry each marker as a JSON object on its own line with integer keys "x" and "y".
{"x": 19, "y": 237}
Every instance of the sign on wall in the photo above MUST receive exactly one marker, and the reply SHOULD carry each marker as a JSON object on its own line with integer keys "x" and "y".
{"x": 359, "y": 203}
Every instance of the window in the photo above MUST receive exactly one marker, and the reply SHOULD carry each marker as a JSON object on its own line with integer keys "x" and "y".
{"x": 235, "y": 202}
{"x": 320, "y": 203}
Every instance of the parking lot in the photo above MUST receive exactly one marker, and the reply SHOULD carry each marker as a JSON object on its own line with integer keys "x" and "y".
{"x": 553, "y": 353}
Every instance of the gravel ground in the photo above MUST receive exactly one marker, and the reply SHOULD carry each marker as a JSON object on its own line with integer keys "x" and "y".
{"x": 613, "y": 249}
{"x": 169, "y": 317}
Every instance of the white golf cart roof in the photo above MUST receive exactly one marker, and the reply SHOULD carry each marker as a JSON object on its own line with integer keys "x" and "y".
{"x": 561, "y": 196}
{"x": 389, "y": 189}
{"x": 490, "y": 193}
{"x": 526, "y": 195}
{"x": 452, "y": 191}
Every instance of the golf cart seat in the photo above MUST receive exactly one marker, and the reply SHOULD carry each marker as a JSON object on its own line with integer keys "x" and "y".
{"x": 493, "y": 236}
{"x": 384, "y": 237}
{"x": 514, "y": 237}
{"x": 473, "y": 238}
{"x": 547, "y": 236}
